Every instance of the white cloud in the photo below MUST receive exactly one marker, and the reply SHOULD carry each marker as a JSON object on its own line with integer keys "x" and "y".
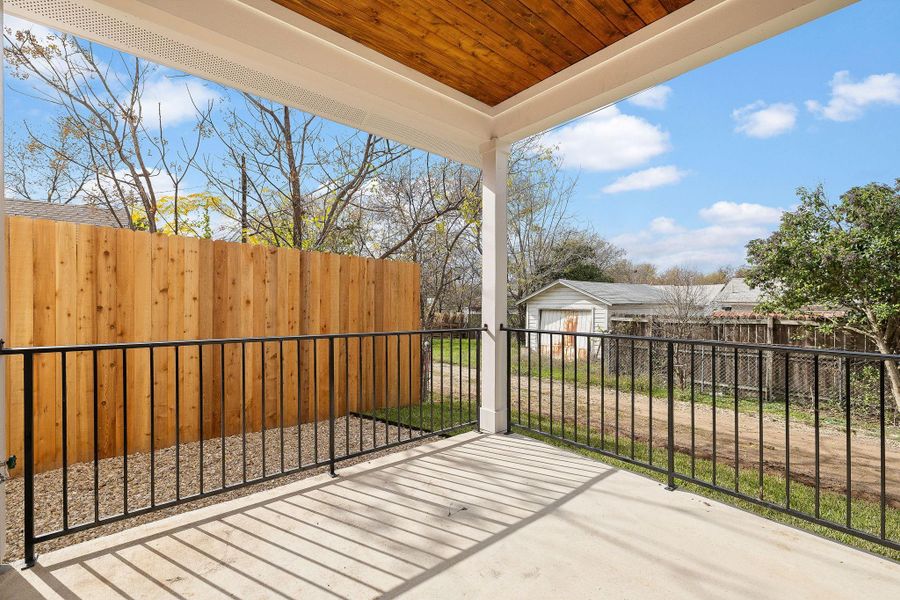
{"x": 647, "y": 179}
{"x": 722, "y": 241}
{"x": 705, "y": 247}
{"x": 744, "y": 213}
{"x": 171, "y": 97}
{"x": 609, "y": 140}
{"x": 655, "y": 97}
{"x": 759, "y": 120}
{"x": 849, "y": 98}
{"x": 664, "y": 225}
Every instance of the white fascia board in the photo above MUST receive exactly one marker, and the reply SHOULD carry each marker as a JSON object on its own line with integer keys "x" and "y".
{"x": 699, "y": 33}
{"x": 258, "y": 47}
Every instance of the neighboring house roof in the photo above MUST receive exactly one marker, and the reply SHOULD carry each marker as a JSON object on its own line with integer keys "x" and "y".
{"x": 72, "y": 213}
{"x": 736, "y": 291}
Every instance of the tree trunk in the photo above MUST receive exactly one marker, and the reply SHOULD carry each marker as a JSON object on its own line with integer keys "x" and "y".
{"x": 892, "y": 370}
{"x": 294, "y": 176}
{"x": 244, "y": 225}
{"x": 151, "y": 219}
{"x": 175, "y": 201}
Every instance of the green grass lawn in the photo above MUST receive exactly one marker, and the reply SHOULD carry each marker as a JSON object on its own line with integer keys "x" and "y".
{"x": 832, "y": 506}
{"x": 433, "y": 416}
{"x": 448, "y": 351}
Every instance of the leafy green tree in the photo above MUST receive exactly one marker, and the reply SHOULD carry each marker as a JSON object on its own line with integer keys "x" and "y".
{"x": 584, "y": 256}
{"x": 842, "y": 257}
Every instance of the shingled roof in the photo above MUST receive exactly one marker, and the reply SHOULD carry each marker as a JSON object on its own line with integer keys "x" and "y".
{"x": 627, "y": 293}
{"x": 736, "y": 291}
{"x": 72, "y": 213}
{"x": 618, "y": 293}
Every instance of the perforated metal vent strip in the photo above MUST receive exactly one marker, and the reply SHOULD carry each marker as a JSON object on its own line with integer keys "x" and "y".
{"x": 376, "y": 124}
{"x": 72, "y": 16}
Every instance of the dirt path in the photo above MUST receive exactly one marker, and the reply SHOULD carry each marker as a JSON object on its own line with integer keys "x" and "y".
{"x": 865, "y": 450}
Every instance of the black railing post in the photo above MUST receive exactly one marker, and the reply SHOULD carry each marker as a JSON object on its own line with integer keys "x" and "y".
{"x": 28, "y": 435}
{"x": 670, "y": 438}
{"x": 508, "y": 377}
{"x": 331, "y": 407}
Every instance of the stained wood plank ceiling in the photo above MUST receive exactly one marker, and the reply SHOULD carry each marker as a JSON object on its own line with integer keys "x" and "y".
{"x": 487, "y": 49}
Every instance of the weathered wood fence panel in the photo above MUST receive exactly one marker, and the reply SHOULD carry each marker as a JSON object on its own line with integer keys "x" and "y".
{"x": 80, "y": 284}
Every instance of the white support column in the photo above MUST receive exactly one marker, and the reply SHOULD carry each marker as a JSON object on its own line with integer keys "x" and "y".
{"x": 494, "y": 165}
{"x": 4, "y": 282}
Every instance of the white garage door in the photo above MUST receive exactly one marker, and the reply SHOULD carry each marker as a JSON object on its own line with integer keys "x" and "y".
{"x": 565, "y": 320}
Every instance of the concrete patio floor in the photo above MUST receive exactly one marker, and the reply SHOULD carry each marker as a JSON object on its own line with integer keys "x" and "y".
{"x": 473, "y": 516}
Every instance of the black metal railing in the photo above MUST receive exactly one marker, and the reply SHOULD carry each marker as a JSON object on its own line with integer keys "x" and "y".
{"x": 214, "y": 415}
{"x": 827, "y": 453}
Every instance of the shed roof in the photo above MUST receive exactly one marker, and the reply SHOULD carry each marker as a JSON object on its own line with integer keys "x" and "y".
{"x": 608, "y": 293}
{"x": 629, "y": 293}
{"x": 620, "y": 293}
{"x": 72, "y": 213}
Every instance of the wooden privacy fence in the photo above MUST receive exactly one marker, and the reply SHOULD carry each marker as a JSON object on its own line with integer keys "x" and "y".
{"x": 81, "y": 284}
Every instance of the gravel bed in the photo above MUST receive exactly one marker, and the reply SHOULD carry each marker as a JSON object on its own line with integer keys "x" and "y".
{"x": 351, "y": 435}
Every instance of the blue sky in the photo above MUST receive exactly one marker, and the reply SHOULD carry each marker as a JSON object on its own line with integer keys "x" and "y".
{"x": 716, "y": 159}
{"x": 688, "y": 172}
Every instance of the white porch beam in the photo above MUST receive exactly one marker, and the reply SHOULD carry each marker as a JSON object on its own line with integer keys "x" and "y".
{"x": 494, "y": 165}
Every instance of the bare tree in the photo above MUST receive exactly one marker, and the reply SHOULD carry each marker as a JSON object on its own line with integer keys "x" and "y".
{"x": 106, "y": 149}
{"x": 539, "y": 221}
{"x": 43, "y": 172}
{"x": 544, "y": 240}
{"x": 431, "y": 213}
{"x": 686, "y": 305}
{"x": 685, "y": 315}
{"x": 301, "y": 184}
{"x": 426, "y": 210}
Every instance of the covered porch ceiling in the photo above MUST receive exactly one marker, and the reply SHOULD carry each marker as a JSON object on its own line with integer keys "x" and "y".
{"x": 446, "y": 76}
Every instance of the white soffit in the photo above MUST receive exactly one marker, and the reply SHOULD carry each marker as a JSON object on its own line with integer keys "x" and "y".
{"x": 260, "y": 47}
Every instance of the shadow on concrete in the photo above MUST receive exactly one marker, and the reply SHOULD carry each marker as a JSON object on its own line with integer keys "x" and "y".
{"x": 376, "y": 532}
